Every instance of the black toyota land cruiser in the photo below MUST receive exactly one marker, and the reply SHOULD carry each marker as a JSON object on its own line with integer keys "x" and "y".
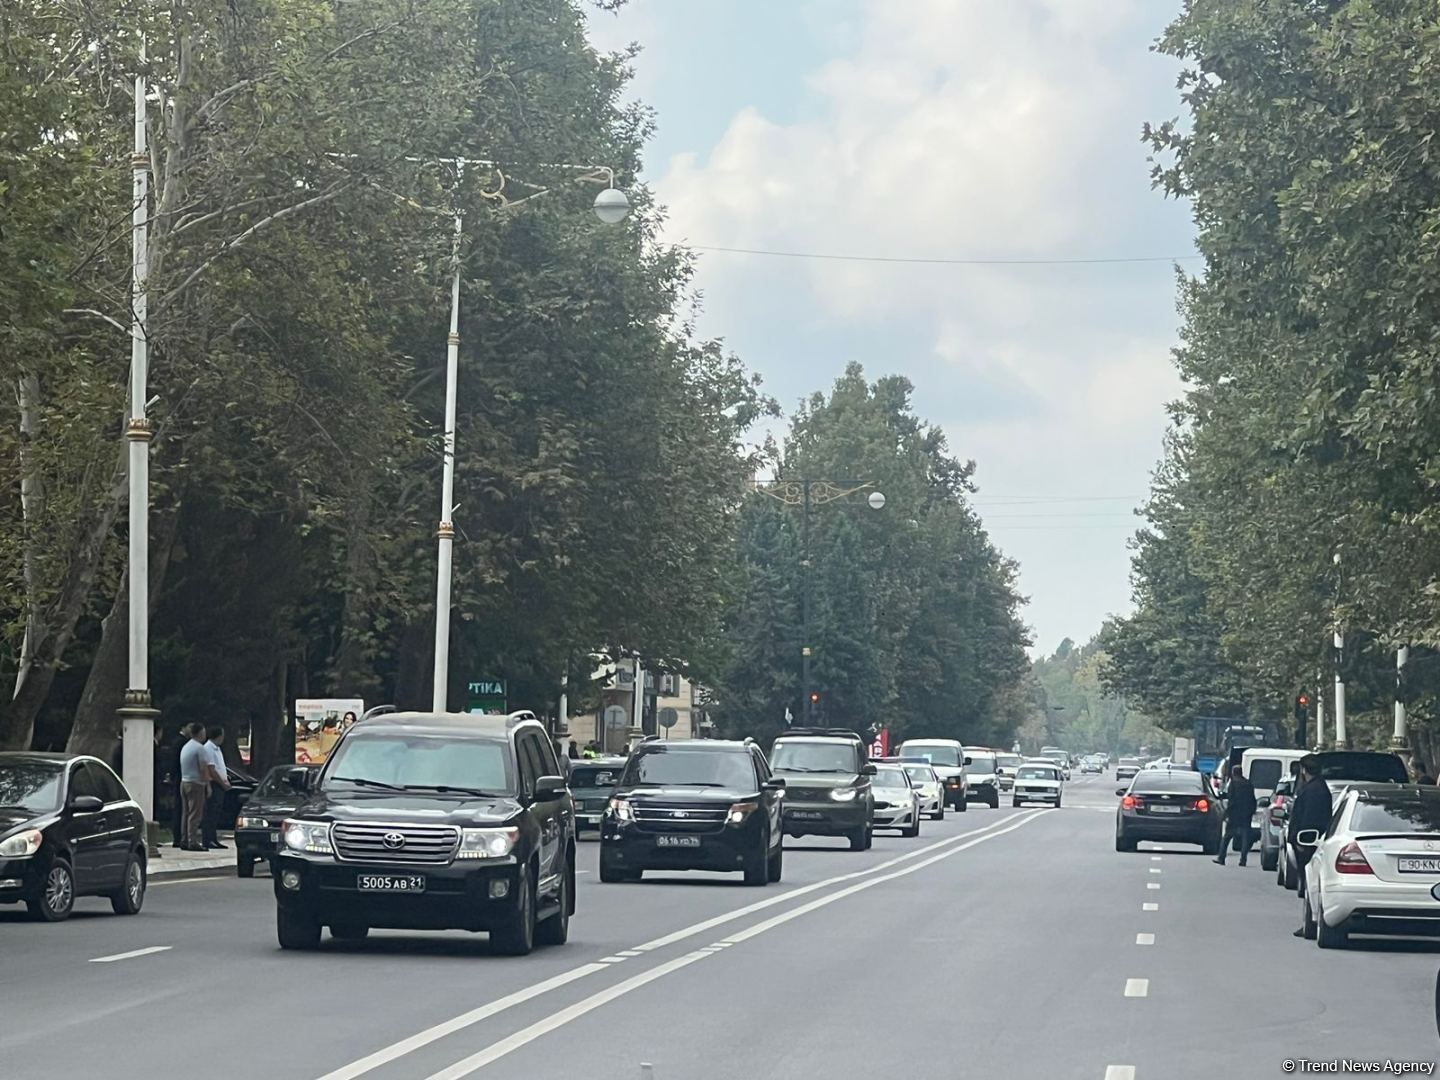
{"x": 693, "y": 804}
{"x": 432, "y": 821}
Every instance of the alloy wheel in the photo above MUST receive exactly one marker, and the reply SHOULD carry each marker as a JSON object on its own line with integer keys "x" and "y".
{"x": 59, "y": 889}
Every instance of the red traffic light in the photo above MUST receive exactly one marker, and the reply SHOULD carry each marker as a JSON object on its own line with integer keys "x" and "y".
{"x": 1303, "y": 700}
{"x": 814, "y": 697}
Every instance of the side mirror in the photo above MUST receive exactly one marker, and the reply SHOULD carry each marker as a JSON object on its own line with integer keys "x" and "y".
{"x": 549, "y": 788}
{"x": 868, "y": 769}
{"x": 1263, "y": 803}
{"x": 1307, "y": 837}
{"x": 969, "y": 761}
{"x": 776, "y": 783}
{"x": 1121, "y": 790}
{"x": 300, "y": 779}
{"x": 86, "y": 804}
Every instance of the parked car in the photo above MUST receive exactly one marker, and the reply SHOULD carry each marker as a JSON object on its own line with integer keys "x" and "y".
{"x": 982, "y": 777}
{"x": 827, "y": 784}
{"x": 928, "y": 787}
{"x": 897, "y": 803}
{"x": 263, "y": 814}
{"x": 242, "y": 787}
{"x": 1373, "y": 869}
{"x": 1092, "y": 763}
{"x": 1274, "y": 812}
{"x": 68, "y": 828}
{"x": 1038, "y": 781}
{"x": 1176, "y": 806}
{"x": 947, "y": 758}
{"x": 592, "y": 782}
{"x": 1341, "y": 770}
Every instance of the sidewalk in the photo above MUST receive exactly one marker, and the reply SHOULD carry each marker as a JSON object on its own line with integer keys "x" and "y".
{"x": 174, "y": 861}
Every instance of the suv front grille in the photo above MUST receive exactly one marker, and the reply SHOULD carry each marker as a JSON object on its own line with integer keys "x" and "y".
{"x": 355, "y": 842}
{"x": 680, "y": 819}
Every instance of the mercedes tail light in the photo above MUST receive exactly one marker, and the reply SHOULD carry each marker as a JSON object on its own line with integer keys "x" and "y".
{"x": 1351, "y": 860}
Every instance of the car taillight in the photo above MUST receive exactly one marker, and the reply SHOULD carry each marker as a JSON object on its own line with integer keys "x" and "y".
{"x": 1203, "y": 805}
{"x": 1351, "y": 860}
{"x": 1129, "y": 802}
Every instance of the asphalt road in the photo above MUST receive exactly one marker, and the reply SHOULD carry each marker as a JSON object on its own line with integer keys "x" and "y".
{"x": 999, "y": 944}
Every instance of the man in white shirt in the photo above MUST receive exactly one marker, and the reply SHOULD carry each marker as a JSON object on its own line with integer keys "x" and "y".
{"x": 218, "y": 783}
{"x": 194, "y": 784}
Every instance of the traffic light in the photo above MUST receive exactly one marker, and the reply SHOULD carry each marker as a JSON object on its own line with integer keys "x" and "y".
{"x": 814, "y": 697}
{"x": 1302, "y": 717}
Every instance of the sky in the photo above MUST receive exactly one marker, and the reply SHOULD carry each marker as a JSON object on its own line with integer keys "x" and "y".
{"x": 942, "y": 129}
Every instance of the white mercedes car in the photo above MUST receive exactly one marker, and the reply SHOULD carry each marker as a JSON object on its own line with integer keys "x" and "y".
{"x": 897, "y": 803}
{"x": 929, "y": 788}
{"x": 1374, "y": 867}
{"x": 1038, "y": 781}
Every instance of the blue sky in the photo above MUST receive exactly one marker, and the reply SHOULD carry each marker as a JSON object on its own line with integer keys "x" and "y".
{"x": 942, "y": 129}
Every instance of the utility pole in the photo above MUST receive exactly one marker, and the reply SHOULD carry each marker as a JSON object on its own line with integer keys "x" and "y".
{"x": 1341, "y": 740}
{"x": 1398, "y": 737}
{"x": 137, "y": 716}
{"x": 1319, "y": 714}
{"x": 445, "y": 531}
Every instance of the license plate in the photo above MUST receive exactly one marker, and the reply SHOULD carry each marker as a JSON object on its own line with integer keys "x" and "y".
{"x": 1418, "y": 866}
{"x": 806, "y": 815}
{"x": 677, "y": 841}
{"x": 1165, "y": 809}
{"x": 275, "y": 838}
{"x": 410, "y": 883}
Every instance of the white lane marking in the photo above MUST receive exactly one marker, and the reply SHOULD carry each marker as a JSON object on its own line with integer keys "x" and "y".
{"x": 1149, "y": 907}
{"x": 1156, "y": 870}
{"x": 1144, "y": 939}
{"x": 749, "y": 909}
{"x": 388, "y": 1054}
{"x": 495, "y": 1051}
{"x": 611, "y": 960}
{"x": 1153, "y": 858}
{"x": 1152, "y": 885}
{"x": 464, "y": 1020}
{"x": 131, "y": 954}
{"x": 627, "y": 952}
{"x": 499, "y": 1049}
{"x": 1137, "y": 987}
{"x": 1120, "y": 1072}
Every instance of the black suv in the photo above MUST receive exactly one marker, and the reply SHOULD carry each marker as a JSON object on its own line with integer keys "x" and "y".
{"x": 694, "y": 804}
{"x": 827, "y": 784}
{"x": 432, "y": 821}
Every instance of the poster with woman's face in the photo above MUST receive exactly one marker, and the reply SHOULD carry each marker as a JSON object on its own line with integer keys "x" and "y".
{"x": 319, "y": 723}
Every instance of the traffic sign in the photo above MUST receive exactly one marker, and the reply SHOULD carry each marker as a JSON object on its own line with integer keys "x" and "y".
{"x": 669, "y": 718}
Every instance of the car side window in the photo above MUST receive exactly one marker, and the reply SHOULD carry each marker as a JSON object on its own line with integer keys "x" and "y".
{"x": 109, "y": 785}
{"x": 82, "y": 782}
{"x": 1335, "y": 820}
{"x": 549, "y": 763}
{"x": 762, "y": 769}
{"x": 529, "y": 763}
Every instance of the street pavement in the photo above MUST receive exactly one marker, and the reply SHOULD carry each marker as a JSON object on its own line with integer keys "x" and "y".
{"x": 1001, "y": 943}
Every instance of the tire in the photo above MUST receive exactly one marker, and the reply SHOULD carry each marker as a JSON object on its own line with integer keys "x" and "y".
{"x": 776, "y": 865}
{"x": 610, "y": 874}
{"x": 56, "y": 898}
{"x": 938, "y": 815}
{"x": 858, "y": 839}
{"x": 1015, "y": 802}
{"x": 1331, "y": 937}
{"x": 869, "y": 838}
{"x": 1280, "y": 870}
{"x": 131, "y": 895}
{"x": 296, "y": 928}
{"x": 913, "y": 829}
{"x": 1307, "y": 921}
{"x": 244, "y": 865}
{"x": 962, "y": 805}
{"x": 995, "y": 801}
{"x": 1057, "y": 802}
{"x": 1269, "y": 862}
{"x": 757, "y": 867}
{"x": 1211, "y": 846}
{"x": 515, "y": 936}
{"x": 350, "y": 932}
{"x": 556, "y": 929}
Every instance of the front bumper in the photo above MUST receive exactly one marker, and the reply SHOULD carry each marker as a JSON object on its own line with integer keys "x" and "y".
{"x": 456, "y": 897}
{"x": 626, "y": 847}
{"x": 828, "y": 818}
{"x": 983, "y": 791}
{"x": 1047, "y": 795}
{"x": 257, "y": 843}
{"x": 1006, "y": 782}
{"x": 894, "y": 817}
{"x": 19, "y": 877}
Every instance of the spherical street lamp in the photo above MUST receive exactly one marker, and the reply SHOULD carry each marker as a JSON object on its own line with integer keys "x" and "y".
{"x": 611, "y": 206}
{"x": 876, "y": 500}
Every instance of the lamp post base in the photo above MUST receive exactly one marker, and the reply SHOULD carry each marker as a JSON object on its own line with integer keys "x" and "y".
{"x": 137, "y": 727}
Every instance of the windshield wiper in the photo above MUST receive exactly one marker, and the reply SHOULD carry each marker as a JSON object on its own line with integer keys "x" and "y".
{"x": 447, "y": 789}
{"x": 367, "y": 783}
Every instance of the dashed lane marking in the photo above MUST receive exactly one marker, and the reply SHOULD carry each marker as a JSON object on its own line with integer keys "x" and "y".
{"x": 1137, "y": 987}
{"x": 1152, "y": 885}
{"x": 1120, "y": 1072}
{"x": 1149, "y": 907}
{"x": 1144, "y": 939}
{"x": 1156, "y": 870}
{"x": 131, "y": 954}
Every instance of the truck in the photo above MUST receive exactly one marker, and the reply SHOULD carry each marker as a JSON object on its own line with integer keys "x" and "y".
{"x": 1183, "y": 752}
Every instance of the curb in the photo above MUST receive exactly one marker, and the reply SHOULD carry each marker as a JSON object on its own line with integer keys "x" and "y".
{"x": 162, "y": 865}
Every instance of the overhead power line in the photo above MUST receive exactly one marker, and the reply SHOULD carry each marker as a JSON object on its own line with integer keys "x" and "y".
{"x": 918, "y": 260}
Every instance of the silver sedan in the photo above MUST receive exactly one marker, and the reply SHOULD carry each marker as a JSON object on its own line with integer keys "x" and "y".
{"x": 929, "y": 788}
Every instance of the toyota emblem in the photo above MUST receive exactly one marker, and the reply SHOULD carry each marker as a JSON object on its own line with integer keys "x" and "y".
{"x": 393, "y": 840}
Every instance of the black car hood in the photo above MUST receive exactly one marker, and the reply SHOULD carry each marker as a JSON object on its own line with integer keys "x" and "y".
{"x": 271, "y": 805}
{"x": 417, "y": 807}
{"x": 688, "y": 794}
{"x": 13, "y": 817}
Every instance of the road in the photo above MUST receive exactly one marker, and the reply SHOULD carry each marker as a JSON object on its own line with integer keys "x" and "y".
{"x": 999, "y": 944}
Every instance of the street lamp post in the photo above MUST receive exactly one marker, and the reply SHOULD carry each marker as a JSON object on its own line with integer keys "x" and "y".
{"x": 611, "y": 206}
{"x": 806, "y": 494}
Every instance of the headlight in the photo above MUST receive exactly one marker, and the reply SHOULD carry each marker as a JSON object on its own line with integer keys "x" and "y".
{"x": 740, "y": 811}
{"x": 620, "y": 807}
{"x": 311, "y": 836}
{"x": 250, "y": 823}
{"x": 22, "y": 845}
{"x": 487, "y": 843}
{"x": 844, "y": 794}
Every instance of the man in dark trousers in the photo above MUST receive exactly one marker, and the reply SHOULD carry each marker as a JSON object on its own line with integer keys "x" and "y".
{"x": 1239, "y": 809}
{"x": 1311, "y": 809}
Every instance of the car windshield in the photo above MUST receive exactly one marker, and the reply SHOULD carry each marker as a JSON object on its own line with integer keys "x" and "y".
{"x": 1008, "y": 761}
{"x": 706, "y": 768}
{"x": 935, "y": 754}
{"x": 1036, "y": 772}
{"x": 1410, "y": 812}
{"x": 797, "y": 755}
{"x": 1359, "y": 765}
{"x": 366, "y": 761}
{"x": 594, "y": 776}
{"x": 889, "y": 776}
{"x": 31, "y": 785}
{"x": 275, "y": 783}
{"x": 921, "y": 774}
{"x": 1162, "y": 781}
{"x": 980, "y": 764}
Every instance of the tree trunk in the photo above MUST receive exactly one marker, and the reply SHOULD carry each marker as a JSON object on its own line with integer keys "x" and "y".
{"x": 97, "y": 726}
{"x": 32, "y": 497}
{"x": 268, "y": 747}
{"x": 353, "y": 672}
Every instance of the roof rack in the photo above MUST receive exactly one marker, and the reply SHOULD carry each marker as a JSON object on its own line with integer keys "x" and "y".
{"x": 832, "y": 732}
{"x": 377, "y": 711}
{"x": 519, "y": 715}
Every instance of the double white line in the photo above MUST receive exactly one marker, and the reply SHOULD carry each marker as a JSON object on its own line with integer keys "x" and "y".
{"x": 870, "y": 877}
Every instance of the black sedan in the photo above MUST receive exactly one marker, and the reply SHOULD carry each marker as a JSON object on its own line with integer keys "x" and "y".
{"x": 68, "y": 828}
{"x": 1170, "y": 807}
{"x": 257, "y": 826}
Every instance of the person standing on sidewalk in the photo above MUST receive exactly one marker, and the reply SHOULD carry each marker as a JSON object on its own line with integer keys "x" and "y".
{"x": 219, "y": 783}
{"x": 1239, "y": 810}
{"x": 194, "y": 785}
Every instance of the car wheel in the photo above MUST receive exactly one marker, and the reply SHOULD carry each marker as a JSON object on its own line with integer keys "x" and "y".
{"x": 757, "y": 867}
{"x": 131, "y": 895}
{"x": 995, "y": 801}
{"x": 1211, "y": 845}
{"x": 1268, "y": 860}
{"x": 610, "y": 874}
{"x": 938, "y": 815}
{"x": 963, "y": 804}
{"x": 296, "y": 928}
{"x": 56, "y": 896}
{"x": 1014, "y": 802}
{"x": 913, "y": 829}
{"x": 1280, "y": 871}
{"x": 556, "y": 929}
{"x": 349, "y": 931}
{"x": 1057, "y": 802}
{"x": 1307, "y": 920}
{"x": 869, "y": 838}
{"x": 859, "y": 839}
{"x": 515, "y": 936}
{"x": 777, "y": 864}
{"x": 1330, "y": 937}
{"x": 244, "y": 865}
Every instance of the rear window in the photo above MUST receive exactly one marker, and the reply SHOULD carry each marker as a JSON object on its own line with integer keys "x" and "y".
{"x": 1402, "y": 814}
{"x": 1161, "y": 782}
{"x": 980, "y": 764}
{"x": 1130, "y": 762}
{"x": 1359, "y": 765}
{"x": 594, "y": 776}
{"x": 1265, "y": 773}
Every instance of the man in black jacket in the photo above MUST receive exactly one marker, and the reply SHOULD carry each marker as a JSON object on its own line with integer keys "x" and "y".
{"x": 1311, "y": 809}
{"x": 1239, "y": 810}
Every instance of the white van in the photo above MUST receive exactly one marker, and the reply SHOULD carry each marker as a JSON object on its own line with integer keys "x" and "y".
{"x": 1266, "y": 766}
